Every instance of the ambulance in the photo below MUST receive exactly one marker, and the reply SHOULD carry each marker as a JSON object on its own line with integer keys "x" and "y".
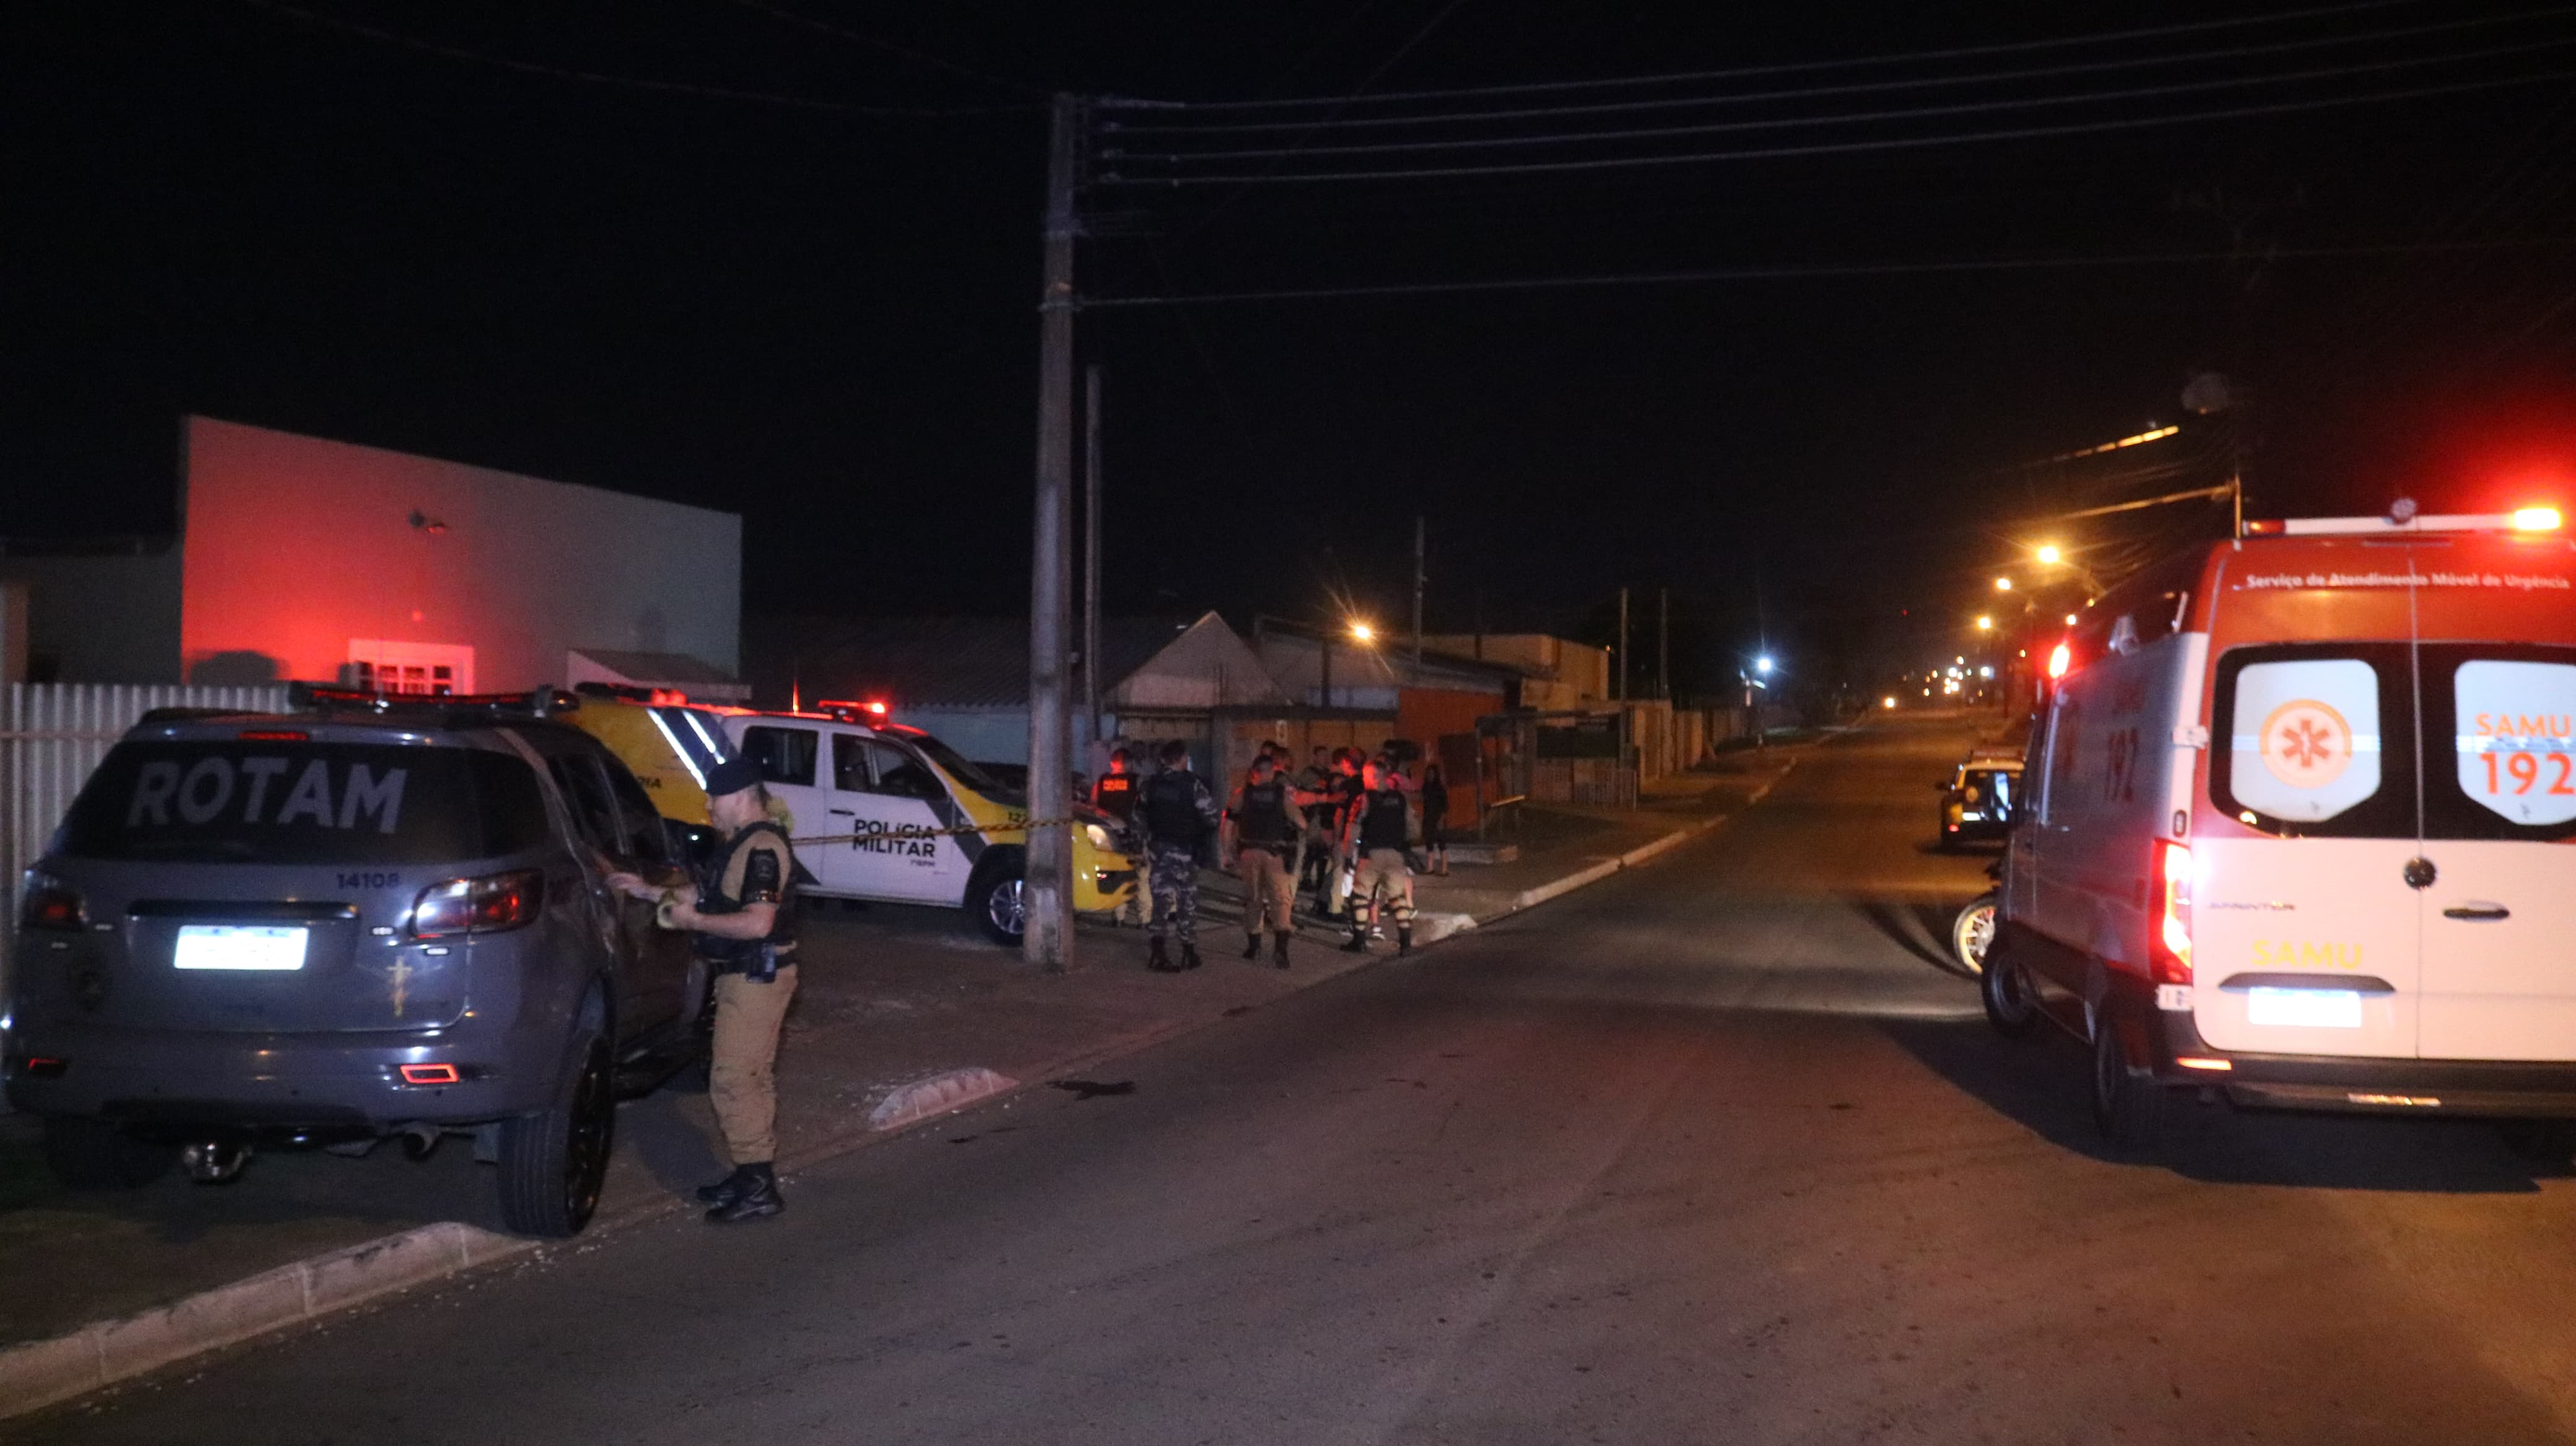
{"x": 2299, "y": 829}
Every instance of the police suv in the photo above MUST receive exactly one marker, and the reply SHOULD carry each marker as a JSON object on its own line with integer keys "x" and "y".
{"x": 913, "y": 821}
{"x": 2296, "y": 827}
{"x": 374, "y": 918}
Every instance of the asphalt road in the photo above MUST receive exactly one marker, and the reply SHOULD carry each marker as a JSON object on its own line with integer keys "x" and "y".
{"x": 1713, "y": 1151}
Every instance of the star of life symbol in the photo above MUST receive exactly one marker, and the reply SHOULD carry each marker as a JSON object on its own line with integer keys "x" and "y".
{"x": 2306, "y": 744}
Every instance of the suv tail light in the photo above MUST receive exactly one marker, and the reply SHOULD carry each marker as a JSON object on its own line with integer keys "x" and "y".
{"x": 486, "y": 905}
{"x": 51, "y": 905}
{"x": 2169, "y": 942}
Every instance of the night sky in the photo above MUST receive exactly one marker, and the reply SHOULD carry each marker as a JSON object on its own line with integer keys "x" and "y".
{"x": 439, "y": 228}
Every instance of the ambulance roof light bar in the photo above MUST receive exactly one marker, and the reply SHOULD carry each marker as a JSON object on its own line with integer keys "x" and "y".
{"x": 2528, "y": 519}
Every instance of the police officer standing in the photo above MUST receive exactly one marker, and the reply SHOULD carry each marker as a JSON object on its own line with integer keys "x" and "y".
{"x": 742, "y": 909}
{"x": 1379, "y": 831}
{"x": 1180, "y": 830}
{"x": 1265, "y": 824}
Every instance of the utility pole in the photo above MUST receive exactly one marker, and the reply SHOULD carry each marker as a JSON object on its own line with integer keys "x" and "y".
{"x": 1046, "y": 891}
{"x": 1623, "y": 645}
{"x": 1417, "y": 597}
{"x": 1091, "y": 547}
{"x": 1664, "y": 642}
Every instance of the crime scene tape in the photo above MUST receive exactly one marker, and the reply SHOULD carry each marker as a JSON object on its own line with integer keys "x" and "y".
{"x": 1019, "y": 827}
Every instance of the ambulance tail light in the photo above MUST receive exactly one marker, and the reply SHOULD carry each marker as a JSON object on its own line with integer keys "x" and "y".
{"x": 2266, "y": 527}
{"x": 2169, "y": 943}
{"x": 487, "y": 905}
{"x": 2059, "y": 659}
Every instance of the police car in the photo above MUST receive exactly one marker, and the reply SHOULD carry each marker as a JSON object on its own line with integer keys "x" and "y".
{"x": 370, "y": 919}
{"x": 1977, "y": 798}
{"x": 916, "y": 822}
{"x": 2297, "y": 823}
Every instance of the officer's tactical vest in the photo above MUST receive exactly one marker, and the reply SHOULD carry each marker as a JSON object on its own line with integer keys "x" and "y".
{"x": 712, "y": 899}
{"x": 1172, "y": 808}
{"x": 1382, "y": 825}
{"x": 1263, "y": 819}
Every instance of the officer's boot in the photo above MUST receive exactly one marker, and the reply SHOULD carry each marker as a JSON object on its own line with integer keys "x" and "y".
{"x": 1279, "y": 948}
{"x": 1156, "y": 958}
{"x": 1359, "y": 937}
{"x": 728, "y": 1189}
{"x": 1252, "y": 945}
{"x": 1404, "y": 938}
{"x": 1189, "y": 954}
{"x": 758, "y": 1200}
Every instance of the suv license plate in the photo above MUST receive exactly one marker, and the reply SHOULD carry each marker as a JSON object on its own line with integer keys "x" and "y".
{"x": 240, "y": 946}
{"x": 2311, "y": 1008}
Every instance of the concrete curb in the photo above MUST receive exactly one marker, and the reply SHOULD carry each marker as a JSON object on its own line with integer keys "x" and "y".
{"x": 37, "y": 1374}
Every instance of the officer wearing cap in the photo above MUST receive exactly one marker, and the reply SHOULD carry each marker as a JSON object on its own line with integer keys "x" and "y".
{"x": 743, "y": 911}
{"x": 1263, "y": 823}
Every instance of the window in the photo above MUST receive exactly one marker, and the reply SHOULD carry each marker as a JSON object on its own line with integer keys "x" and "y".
{"x": 2512, "y": 727}
{"x": 2317, "y": 739}
{"x": 431, "y": 669}
{"x": 783, "y": 755}
{"x": 641, "y": 821}
{"x": 256, "y": 802}
{"x": 585, "y": 791}
{"x": 865, "y": 765}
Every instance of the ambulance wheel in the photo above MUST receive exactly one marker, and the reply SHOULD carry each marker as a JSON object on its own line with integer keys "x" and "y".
{"x": 997, "y": 902}
{"x": 2540, "y": 1142}
{"x": 1972, "y": 932}
{"x": 2128, "y": 1104}
{"x": 2005, "y": 991}
{"x": 96, "y": 1155}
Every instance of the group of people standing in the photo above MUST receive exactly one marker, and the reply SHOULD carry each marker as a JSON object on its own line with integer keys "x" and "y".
{"x": 1345, "y": 828}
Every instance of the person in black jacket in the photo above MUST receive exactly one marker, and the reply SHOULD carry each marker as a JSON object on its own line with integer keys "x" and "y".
{"x": 1265, "y": 824}
{"x": 1376, "y": 836}
{"x": 1180, "y": 822}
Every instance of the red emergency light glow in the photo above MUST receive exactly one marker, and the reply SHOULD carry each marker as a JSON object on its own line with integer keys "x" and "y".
{"x": 273, "y": 735}
{"x": 2267, "y": 527}
{"x": 875, "y": 707}
{"x": 430, "y": 1074}
{"x": 2536, "y": 519}
{"x": 2058, "y": 660}
{"x": 2169, "y": 950}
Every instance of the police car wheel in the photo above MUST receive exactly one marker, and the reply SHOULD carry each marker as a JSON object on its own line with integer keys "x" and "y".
{"x": 1972, "y": 932}
{"x": 553, "y": 1162}
{"x": 96, "y": 1155}
{"x": 998, "y": 905}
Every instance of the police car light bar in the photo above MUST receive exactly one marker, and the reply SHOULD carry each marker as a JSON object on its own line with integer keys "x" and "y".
{"x": 2528, "y": 519}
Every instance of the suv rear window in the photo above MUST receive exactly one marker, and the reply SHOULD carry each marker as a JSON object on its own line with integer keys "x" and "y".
{"x": 229, "y": 801}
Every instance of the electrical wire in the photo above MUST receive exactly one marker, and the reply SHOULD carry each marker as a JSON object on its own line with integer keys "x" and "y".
{"x": 1794, "y": 273}
{"x": 1845, "y": 147}
{"x": 602, "y": 78}
{"x": 1812, "y": 92}
{"x": 1856, "y": 118}
{"x": 1789, "y": 68}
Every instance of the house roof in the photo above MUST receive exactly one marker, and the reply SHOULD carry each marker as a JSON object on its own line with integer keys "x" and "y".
{"x": 656, "y": 667}
{"x": 926, "y": 662}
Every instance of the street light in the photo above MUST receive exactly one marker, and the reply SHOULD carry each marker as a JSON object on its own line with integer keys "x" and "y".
{"x": 2049, "y": 554}
{"x": 2003, "y": 584}
{"x": 1985, "y": 624}
{"x": 1762, "y": 665}
{"x": 1362, "y": 633}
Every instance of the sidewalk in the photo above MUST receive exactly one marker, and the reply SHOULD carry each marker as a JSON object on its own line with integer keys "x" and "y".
{"x": 902, "y": 1015}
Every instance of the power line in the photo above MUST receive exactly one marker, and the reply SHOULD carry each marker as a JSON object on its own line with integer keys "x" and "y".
{"x": 918, "y": 57}
{"x": 1795, "y": 273}
{"x": 1843, "y": 147}
{"x": 593, "y": 77}
{"x": 1856, "y": 118}
{"x": 1790, "y": 68}
{"x": 1812, "y": 92}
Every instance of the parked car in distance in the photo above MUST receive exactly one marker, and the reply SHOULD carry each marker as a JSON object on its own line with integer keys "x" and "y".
{"x": 2303, "y": 803}
{"x": 1979, "y": 796}
{"x": 373, "y": 918}
{"x": 918, "y": 824}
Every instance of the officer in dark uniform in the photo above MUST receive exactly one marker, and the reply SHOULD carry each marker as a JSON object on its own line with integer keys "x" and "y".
{"x": 1380, "y": 831}
{"x": 1265, "y": 825}
{"x": 1180, "y": 833}
{"x": 743, "y": 911}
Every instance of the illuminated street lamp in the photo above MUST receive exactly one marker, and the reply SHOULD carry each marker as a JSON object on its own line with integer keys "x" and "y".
{"x": 1362, "y": 633}
{"x": 2049, "y": 554}
{"x": 1762, "y": 665}
{"x": 2003, "y": 584}
{"x": 1985, "y": 624}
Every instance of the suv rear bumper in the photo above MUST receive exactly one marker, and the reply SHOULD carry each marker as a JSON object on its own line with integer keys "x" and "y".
{"x": 2494, "y": 1088}
{"x": 330, "y": 1082}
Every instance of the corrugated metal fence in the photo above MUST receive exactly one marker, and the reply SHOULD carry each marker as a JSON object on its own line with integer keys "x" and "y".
{"x": 54, "y": 734}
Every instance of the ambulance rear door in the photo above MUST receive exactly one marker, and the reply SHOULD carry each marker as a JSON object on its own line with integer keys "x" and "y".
{"x": 2500, "y": 810}
{"x": 2305, "y": 931}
